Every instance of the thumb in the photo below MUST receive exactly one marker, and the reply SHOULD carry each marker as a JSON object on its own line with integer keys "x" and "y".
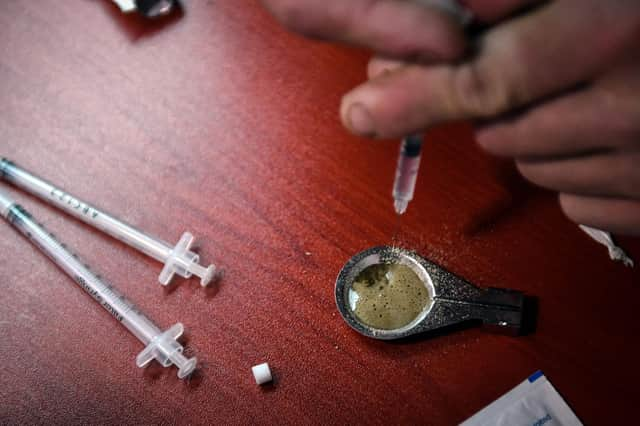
{"x": 517, "y": 62}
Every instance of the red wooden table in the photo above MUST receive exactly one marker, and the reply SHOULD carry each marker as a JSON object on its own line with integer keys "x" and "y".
{"x": 221, "y": 123}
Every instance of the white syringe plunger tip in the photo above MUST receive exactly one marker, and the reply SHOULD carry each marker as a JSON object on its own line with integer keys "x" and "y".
{"x": 206, "y": 274}
{"x": 400, "y": 205}
{"x": 186, "y": 366}
{"x": 165, "y": 349}
{"x": 184, "y": 262}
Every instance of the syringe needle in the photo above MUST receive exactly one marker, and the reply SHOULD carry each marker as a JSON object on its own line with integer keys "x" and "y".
{"x": 162, "y": 346}
{"x": 177, "y": 260}
{"x": 406, "y": 172}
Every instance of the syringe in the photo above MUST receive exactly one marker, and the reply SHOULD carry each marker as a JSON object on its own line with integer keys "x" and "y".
{"x": 177, "y": 260}
{"x": 406, "y": 172}
{"x": 410, "y": 150}
{"x": 162, "y": 346}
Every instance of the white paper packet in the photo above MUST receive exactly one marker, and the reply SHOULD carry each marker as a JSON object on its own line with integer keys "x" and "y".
{"x": 534, "y": 402}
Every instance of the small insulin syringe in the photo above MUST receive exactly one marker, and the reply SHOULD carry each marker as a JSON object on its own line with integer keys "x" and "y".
{"x": 406, "y": 172}
{"x": 410, "y": 150}
{"x": 160, "y": 345}
{"x": 177, "y": 260}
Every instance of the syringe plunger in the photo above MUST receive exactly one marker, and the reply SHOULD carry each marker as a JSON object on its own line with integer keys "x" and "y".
{"x": 184, "y": 262}
{"x": 177, "y": 260}
{"x": 161, "y": 346}
{"x": 166, "y": 350}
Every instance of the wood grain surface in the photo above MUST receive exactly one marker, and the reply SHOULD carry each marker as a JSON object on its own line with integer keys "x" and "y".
{"x": 219, "y": 122}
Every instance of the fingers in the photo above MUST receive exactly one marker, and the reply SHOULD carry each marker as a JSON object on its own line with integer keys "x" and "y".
{"x": 619, "y": 216}
{"x": 486, "y": 11}
{"x": 396, "y": 103}
{"x": 615, "y": 174}
{"x": 589, "y": 120}
{"x": 489, "y": 11}
{"x": 516, "y": 65}
{"x": 390, "y": 27}
{"x": 380, "y": 64}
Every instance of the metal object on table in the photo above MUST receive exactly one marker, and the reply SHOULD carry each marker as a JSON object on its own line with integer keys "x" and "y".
{"x": 147, "y": 8}
{"x": 452, "y": 300}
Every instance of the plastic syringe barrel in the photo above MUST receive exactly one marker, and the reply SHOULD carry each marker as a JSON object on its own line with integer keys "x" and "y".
{"x": 177, "y": 260}
{"x": 105, "y": 294}
{"x": 406, "y": 172}
{"x": 84, "y": 211}
{"x": 161, "y": 346}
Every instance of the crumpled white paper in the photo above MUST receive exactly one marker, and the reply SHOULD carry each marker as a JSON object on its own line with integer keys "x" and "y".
{"x": 604, "y": 238}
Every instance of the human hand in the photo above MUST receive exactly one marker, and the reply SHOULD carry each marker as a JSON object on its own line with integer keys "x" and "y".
{"x": 556, "y": 87}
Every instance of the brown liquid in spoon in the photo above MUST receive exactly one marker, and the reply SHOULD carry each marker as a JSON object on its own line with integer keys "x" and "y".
{"x": 388, "y": 296}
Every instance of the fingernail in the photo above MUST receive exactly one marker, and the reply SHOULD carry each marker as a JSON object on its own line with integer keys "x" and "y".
{"x": 359, "y": 120}
{"x": 490, "y": 141}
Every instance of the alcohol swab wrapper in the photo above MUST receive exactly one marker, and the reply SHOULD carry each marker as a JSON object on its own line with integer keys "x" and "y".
{"x": 533, "y": 402}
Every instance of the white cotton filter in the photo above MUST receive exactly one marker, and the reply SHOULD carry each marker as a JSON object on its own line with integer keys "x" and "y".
{"x": 262, "y": 373}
